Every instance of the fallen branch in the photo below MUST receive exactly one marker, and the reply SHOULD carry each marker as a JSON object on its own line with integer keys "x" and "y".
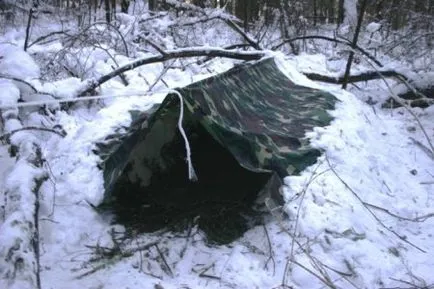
{"x": 19, "y": 241}
{"x": 365, "y": 76}
{"x": 26, "y": 83}
{"x": 409, "y": 110}
{"x": 6, "y": 137}
{"x": 38, "y": 162}
{"x": 42, "y": 38}
{"x": 171, "y": 54}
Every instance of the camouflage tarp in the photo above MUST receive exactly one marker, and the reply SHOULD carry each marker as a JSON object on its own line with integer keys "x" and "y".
{"x": 253, "y": 110}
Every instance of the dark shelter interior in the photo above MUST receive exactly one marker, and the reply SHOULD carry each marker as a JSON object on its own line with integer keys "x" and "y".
{"x": 221, "y": 202}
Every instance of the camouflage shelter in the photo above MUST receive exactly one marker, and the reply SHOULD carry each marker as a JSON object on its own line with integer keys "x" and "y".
{"x": 246, "y": 129}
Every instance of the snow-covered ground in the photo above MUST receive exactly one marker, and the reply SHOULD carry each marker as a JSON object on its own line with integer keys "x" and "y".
{"x": 362, "y": 217}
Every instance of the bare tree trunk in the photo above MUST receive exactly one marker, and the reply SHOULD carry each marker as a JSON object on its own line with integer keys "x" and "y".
{"x": 113, "y": 9}
{"x": 341, "y": 12}
{"x": 354, "y": 42}
{"x": 200, "y": 3}
{"x": 29, "y": 23}
{"x": 314, "y": 12}
{"x": 152, "y": 5}
{"x": 107, "y": 10}
{"x": 125, "y": 4}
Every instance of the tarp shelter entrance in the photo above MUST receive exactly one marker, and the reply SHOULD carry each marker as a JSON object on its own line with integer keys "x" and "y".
{"x": 246, "y": 129}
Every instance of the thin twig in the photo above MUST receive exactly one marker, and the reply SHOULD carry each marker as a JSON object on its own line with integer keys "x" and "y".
{"x": 155, "y": 46}
{"x": 160, "y": 77}
{"x": 270, "y": 250}
{"x": 402, "y": 238}
{"x": 327, "y": 283}
{"x": 417, "y": 219}
{"x": 312, "y": 177}
{"x": 204, "y": 274}
{"x": 42, "y": 38}
{"x": 164, "y": 260}
{"x": 426, "y": 150}
{"x": 398, "y": 100}
{"x": 413, "y": 286}
{"x": 240, "y": 31}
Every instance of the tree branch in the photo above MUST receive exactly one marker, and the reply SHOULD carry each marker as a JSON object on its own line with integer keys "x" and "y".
{"x": 26, "y": 83}
{"x": 240, "y": 31}
{"x": 6, "y": 137}
{"x": 370, "y": 75}
{"x": 347, "y": 43}
{"x": 42, "y": 38}
{"x": 354, "y": 43}
{"x": 171, "y": 54}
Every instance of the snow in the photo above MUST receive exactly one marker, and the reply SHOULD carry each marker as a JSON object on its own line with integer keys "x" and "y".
{"x": 9, "y": 92}
{"x": 373, "y": 27}
{"x": 344, "y": 214}
{"x": 16, "y": 63}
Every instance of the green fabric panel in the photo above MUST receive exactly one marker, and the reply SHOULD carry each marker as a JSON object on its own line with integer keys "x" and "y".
{"x": 253, "y": 110}
{"x": 260, "y": 116}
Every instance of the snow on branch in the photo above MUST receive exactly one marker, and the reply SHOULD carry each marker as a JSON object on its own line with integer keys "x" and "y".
{"x": 19, "y": 233}
{"x": 365, "y": 76}
{"x": 171, "y": 54}
{"x": 230, "y": 20}
{"x": 6, "y": 137}
{"x": 26, "y": 83}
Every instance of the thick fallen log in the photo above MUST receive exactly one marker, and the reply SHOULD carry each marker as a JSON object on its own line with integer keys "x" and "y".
{"x": 19, "y": 229}
{"x": 19, "y": 248}
{"x": 365, "y": 76}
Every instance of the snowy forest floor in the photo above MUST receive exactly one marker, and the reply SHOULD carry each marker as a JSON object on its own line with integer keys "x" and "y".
{"x": 362, "y": 217}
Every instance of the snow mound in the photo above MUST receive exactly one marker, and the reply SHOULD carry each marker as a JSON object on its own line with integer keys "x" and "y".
{"x": 17, "y": 63}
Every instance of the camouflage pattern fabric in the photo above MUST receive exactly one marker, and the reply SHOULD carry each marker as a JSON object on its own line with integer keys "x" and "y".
{"x": 253, "y": 110}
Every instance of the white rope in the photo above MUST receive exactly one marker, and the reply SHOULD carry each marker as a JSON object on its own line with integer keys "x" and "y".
{"x": 73, "y": 99}
{"x": 191, "y": 172}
